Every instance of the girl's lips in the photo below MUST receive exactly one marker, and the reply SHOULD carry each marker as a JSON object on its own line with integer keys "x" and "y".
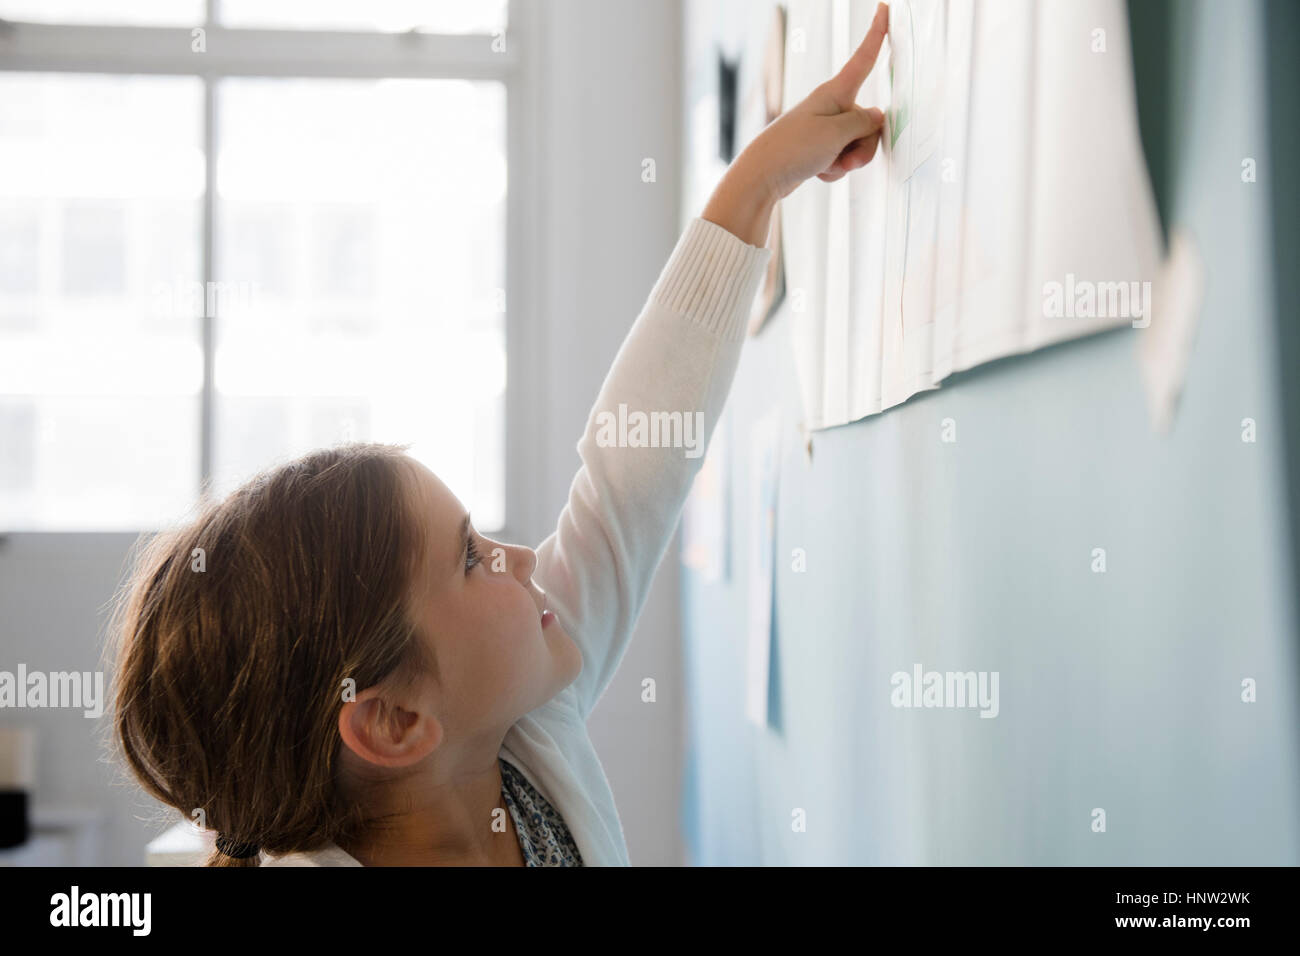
{"x": 548, "y": 617}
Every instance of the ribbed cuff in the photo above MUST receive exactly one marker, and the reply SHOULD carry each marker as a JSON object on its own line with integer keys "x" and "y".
{"x": 712, "y": 277}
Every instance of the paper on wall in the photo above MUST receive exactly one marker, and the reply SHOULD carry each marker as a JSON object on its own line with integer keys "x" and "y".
{"x": 1094, "y": 231}
{"x": 805, "y": 213}
{"x": 1011, "y": 165}
{"x": 996, "y": 212}
{"x": 915, "y": 64}
{"x": 913, "y": 124}
{"x": 868, "y": 193}
{"x": 952, "y": 184}
{"x": 1165, "y": 346}
{"x": 839, "y": 264}
{"x": 765, "y": 462}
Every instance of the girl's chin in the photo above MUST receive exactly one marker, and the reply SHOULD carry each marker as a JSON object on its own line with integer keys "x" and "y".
{"x": 568, "y": 658}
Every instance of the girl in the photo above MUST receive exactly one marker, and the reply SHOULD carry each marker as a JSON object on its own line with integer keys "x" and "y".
{"x": 354, "y": 676}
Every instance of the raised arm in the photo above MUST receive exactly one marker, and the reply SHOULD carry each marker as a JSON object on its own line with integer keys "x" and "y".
{"x": 667, "y": 385}
{"x": 646, "y": 435}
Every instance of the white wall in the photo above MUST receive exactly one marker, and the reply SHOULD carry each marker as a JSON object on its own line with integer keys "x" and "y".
{"x": 612, "y": 86}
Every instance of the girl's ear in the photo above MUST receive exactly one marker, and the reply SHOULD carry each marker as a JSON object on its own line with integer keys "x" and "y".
{"x": 383, "y": 732}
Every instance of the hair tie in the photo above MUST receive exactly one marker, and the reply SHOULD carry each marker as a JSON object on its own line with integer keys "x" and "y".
{"x": 240, "y": 851}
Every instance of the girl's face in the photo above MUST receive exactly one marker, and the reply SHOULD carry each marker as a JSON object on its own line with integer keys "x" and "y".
{"x": 475, "y": 603}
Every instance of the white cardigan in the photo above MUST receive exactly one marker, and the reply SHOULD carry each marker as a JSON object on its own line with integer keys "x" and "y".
{"x": 624, "y": 504}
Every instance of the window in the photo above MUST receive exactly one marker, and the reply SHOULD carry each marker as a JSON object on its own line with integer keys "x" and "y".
{"x": 463, "y": 16}
{"x": 99, "y": 395}
{"x": 231, "y": 234}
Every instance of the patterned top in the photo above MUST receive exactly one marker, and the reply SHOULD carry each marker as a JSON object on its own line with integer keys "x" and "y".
{"x": 543, "y": 836}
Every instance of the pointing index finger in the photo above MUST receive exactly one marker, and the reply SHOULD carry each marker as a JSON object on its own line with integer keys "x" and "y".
{"x": 845, "y": 84}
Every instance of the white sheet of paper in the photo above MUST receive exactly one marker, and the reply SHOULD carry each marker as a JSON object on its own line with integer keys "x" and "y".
{"x": 868, "y": 192}
{"x": 915, "y": 117}
{"x": 1011, "y": 159}
{"x": 1165, "y": 346}
{"x": 952, "y": 183}
{"x": 1093, "y": 218}
{"x": 999, "y": 188}
{"x": 839, "y": 265}
{"x": 805, "y": 213}
{"x": 765, "y": 466}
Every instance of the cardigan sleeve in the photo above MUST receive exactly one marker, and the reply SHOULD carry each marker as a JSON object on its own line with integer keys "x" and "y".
{"x": 643, "y": 444}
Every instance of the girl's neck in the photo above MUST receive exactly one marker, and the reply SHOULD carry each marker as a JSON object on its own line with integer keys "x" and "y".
{"x": 459, "y": 820}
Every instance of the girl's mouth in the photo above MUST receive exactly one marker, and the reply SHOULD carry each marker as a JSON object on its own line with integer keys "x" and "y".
{"x": 548, "y": 617}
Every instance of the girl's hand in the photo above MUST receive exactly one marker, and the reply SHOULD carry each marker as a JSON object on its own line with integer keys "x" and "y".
{"x": 825, "y": 135}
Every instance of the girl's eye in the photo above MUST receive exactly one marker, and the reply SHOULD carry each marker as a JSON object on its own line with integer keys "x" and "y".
{"x": 471, "y": 556}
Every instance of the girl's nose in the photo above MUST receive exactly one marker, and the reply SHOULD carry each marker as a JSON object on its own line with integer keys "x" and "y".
{"x": 523, "y": 562}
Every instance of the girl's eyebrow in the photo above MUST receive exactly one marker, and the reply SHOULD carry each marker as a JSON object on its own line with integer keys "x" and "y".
{"x": 464, "y": 541}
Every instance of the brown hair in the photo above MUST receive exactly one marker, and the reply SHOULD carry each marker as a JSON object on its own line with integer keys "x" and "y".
{"x": 231, "y": 660}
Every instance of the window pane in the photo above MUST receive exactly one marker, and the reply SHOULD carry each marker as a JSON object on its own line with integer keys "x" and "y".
{"x": 445, "y": 16}
{"x": 360, "y": 255}
{"x": 117, "y": 12}
{"x": 101, "y": 181}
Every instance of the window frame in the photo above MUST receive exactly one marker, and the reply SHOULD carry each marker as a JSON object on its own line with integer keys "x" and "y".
{"x": 329, "y": 54}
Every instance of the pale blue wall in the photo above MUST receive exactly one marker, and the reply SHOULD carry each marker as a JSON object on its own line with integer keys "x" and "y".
{"x": 1118, "y": 690}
